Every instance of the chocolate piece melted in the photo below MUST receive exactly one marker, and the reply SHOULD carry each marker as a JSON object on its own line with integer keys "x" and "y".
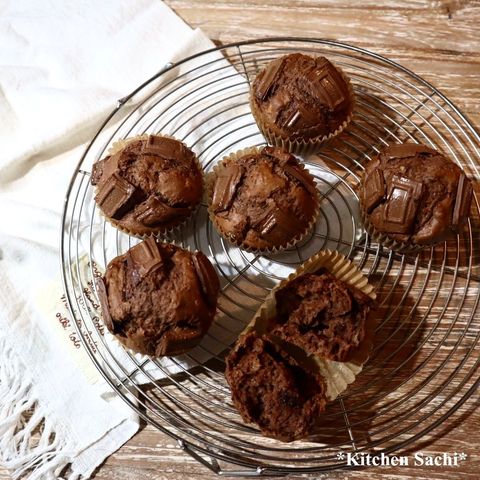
{"x": 326, "y": 85}
{"x": 401, "y": 205}
{"x": 225, "y": 187}
{"x": 265, "y": 85}
{"x": 102, "y": 296}
{"x": 145, "y": 258}
{"x": 275, "y": 225}
{"x": 297, "y": 95}
{"x": 150, "y": 185}
{"x": 374, "y": 190}
{"x": 163, "y": 146}
{"x": 207, "y": 276}
{"x": 159, "y": 299}
{"x": 414, "y": 194}
{"x": 114, "y": 195}
{"x": 153, "y": 211}
{"x": 463, "y": 200}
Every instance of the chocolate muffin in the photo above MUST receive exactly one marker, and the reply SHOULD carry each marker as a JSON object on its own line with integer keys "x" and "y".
{"x": 271, "y": 389}
{"x": 149, "y": 185}
{"x": 321, "y": 314}
{"x": 263, "y": 199}
{"x": 159, "y": 299}
{"x": 412, "y": 196}
{"x": 300, "y": 101}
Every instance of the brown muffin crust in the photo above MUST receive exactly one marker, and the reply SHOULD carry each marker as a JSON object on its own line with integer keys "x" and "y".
{"x": 297, "y": 96}
{"x": 321, "y": 315}
{"x": 263, "y": 200}
{"x": 271, "y": 389}
{"x": 415, "y": 195}
{"x": 159, "y": 299}
{"x": 149, "y": 186}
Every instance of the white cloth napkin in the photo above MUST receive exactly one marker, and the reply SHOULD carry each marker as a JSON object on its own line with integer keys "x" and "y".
{"x": 63, "y": 66}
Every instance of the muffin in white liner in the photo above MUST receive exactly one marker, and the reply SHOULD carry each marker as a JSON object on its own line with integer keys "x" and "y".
{"x": 299, "y": 102}
{"x": 158, "y": 299}
{"x": 148, "y": 185}
{"x": 262, "y": 200}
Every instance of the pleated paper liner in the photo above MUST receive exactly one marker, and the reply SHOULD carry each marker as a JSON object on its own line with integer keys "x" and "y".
{"x": 337, "y": 375}
{"x": 302, "y": 146}
{"x": 143, "y": 357}
{"x": 173, "y": 227}
{"x": 210, "y": 181}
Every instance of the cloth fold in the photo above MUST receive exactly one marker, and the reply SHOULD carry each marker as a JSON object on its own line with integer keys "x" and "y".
{"x": 65, "y": 63}
{"x": 63, "y": 66}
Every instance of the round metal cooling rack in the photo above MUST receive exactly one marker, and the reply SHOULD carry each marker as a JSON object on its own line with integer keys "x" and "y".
{"x": 423, "y": 366}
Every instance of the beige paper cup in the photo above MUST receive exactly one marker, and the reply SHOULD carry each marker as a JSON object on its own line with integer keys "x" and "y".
{"x": 209, "y": 187}
{"x": 337, "y": 375}
{"x": 172, "y": 228}
{"x": 302, "y": 146}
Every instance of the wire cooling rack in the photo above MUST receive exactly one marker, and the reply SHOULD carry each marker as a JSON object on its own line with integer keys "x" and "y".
{"x": 424, "y": 365}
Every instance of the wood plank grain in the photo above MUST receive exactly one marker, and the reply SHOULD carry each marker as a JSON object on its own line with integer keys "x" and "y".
{"x": 428, "y": 28}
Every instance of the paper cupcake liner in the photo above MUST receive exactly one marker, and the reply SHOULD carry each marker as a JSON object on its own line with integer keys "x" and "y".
{"x": 209, "y": 188}
{"x": 337, "y": 375}
{"x": 159, "y": 232}
{"x": 143, "y": 357}
{"x": 302, "y": 146}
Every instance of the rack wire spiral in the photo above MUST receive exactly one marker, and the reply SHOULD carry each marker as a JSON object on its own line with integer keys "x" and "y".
{"x": 424, "y": 365}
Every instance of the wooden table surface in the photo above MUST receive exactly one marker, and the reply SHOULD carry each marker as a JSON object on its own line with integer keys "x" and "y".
{"x": 439, "y": 40}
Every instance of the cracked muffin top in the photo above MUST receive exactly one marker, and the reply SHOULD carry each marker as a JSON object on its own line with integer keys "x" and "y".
{"x": 148, "y": 186}
{"x": 415, "y": 195}
{"x": 263, "y": 199}
{"x": 300, "y": 96}
{"x": 159, "y": 299}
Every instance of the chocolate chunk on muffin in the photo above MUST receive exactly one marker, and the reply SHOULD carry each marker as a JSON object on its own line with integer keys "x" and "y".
{"x": 149, "y": 185}
{"x": 321, "y": 314}
{"x": 300, "y": 101}
{"x": 263, "y": 199}
{"x": 159, "y": 299}
{"x": 412, "y": 196}
{"x": 270, "y": 389}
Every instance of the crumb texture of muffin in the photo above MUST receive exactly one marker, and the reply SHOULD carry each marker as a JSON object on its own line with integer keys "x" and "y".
{"x": 306, "y": 343}
{"x": 321, "y": 314}
{"x": 298, "y": 96}
{"x": 271, "y": 389}
{"x": 150, "y": 185}
{"x": 414, "y": 195}
{"x": 263, "y": 199}
{"x": 159, "y": 299}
